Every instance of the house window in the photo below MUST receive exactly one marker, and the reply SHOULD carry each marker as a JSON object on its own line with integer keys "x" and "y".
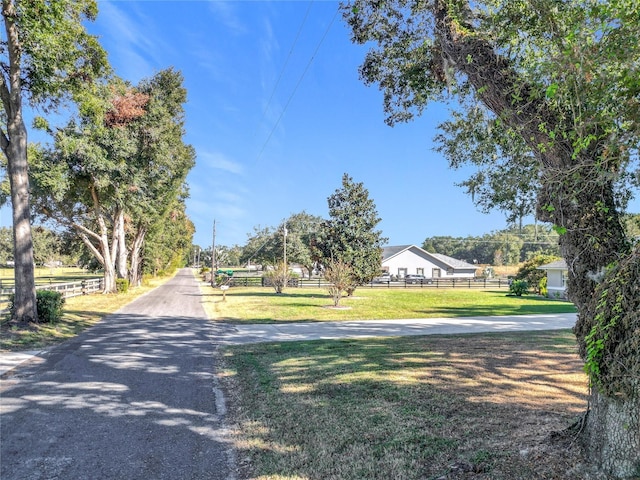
{"x": 449, "y": 271}
{"x": 420, "y": 271}
{"x": 563, "y": 278}
{"x": 402, "y": 272}
{"x": 435, "y": 272}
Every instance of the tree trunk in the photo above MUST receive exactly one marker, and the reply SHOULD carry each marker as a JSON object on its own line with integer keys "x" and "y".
{"x": 121, "y": 252}
{"x": 613, "y": 442}
{"x": 24, "y": 272}
{"x": 136, "y": 259}
{"x": 578, "y": 198}
{"x": 14, "y": 146}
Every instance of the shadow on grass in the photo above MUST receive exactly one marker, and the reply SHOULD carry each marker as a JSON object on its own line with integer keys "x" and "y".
{"x": 408, "y": 408}
{"x": 489, "y": 311}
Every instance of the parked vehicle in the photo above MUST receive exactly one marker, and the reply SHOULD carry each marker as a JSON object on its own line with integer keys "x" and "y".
{"x": 421, "y": 279}
{"x": 384, "y": 278}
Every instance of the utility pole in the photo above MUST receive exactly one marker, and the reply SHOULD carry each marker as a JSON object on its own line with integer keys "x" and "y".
{"x": 213, "y": 256}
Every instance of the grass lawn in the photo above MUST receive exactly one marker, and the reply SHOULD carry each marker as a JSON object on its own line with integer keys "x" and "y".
{"x": 262, "y": 305}
{"x": 79, "y": 313}
{"x": 45, "y": 275}
{"x": 436, "y": 407}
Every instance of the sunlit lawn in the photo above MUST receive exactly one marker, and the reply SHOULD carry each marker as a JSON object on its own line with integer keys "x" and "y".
{"x": 263, "y": 305}
{"x": 46, "y": 275}
{"x": 462, "y": 407}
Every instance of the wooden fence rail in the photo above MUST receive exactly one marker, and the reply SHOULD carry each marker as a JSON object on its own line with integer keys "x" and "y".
{"x": 71, "y": 289}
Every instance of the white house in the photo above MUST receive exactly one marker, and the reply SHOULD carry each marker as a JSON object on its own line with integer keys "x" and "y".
{"x": 556, "y": 278}
{"x": 408, "y": 259}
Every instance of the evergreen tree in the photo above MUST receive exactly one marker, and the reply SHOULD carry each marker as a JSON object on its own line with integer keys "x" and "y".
{"x": 350, "y": 234}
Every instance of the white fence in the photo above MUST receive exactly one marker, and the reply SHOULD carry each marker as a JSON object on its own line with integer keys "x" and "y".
{"x": 72, "y": 289}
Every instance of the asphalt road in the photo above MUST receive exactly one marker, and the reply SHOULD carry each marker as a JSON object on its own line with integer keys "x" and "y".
{"x": 134, "y": 397}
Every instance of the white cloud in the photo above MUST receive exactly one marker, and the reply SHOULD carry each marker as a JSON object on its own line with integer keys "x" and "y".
{"x": 134, "y": 48}
{"x": 219, "y": 161}
{"x": 225, "y": 12}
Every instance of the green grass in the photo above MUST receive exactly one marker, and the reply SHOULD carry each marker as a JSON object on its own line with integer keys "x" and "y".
{"x": 79, "y": 313}
{"x": 403, "y": 408}
{"x": 49, "y": 275}
{"x": 261, "y": 305}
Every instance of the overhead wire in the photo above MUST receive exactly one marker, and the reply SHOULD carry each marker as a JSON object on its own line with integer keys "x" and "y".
{"x": 284, "y": 66}
{"x": 295, "y": 89}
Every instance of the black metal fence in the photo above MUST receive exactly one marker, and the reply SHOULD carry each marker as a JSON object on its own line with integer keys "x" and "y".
{"x": 258, "y": 281}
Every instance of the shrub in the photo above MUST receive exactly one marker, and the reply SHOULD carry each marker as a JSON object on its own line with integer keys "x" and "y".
{"x": 278, "y": 278}
{"x": 48, "y": 305}
{"x": 542, "y": 286}
{"x": 529, "y": 270}
{"x": 122, "y": 285}
{"x": 518, "y": 287}
{"x": 340, "y": 276}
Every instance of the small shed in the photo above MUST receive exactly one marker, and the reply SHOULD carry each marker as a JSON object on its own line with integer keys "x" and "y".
{"x": 556, "y": 278}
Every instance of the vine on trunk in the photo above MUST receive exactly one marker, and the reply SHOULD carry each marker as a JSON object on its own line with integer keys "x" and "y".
{"x": 612, "y": 357}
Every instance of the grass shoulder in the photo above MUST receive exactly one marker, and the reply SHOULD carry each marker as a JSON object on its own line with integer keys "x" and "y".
{"x": 464, "y": 406}
{"x": 79, "y": 313}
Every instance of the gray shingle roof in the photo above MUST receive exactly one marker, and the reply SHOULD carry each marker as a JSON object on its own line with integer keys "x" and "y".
{"x": 558, "y": 264}
{"x": 452, "y": 262}
{"x": 388, "y": 252}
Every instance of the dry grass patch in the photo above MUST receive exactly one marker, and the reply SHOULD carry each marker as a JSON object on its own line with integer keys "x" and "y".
{"x": 438, "y": 407}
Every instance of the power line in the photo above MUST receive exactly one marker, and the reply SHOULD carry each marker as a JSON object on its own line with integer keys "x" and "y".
{"x": 284, "y": 66}
{"x": 298, "y": 84}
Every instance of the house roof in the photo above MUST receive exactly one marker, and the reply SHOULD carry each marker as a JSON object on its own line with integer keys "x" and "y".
{"x": 557, "y": 265}
{"x": 388, "y": 252}
{"x": 453, "y": 262}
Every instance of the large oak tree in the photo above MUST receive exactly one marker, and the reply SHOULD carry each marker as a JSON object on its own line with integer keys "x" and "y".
{"x": 562, "y": 77}
{"x": 46, "y": 55}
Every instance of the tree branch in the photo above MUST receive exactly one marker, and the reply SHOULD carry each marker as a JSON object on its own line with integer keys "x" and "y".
{"x": 499, "y": 87}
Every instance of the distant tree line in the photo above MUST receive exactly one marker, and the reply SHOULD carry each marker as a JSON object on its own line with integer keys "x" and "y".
{"x": 349, "y": 236}
{"x": 510, "y": 246}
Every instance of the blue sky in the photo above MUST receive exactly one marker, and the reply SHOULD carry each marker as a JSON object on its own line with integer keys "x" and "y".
{"x": 277, "y": 114}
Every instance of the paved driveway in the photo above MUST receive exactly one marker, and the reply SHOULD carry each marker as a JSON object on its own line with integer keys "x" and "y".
{"x": 283, "y": 332}
{"x": 134, "y": 397}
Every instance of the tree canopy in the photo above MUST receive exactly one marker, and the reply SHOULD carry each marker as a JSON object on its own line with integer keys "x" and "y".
{"x": 115, "y": 177}
{"x": 350, "y": 235}
{"x": 46, "y": 56}
{"x": 562, "y": 79}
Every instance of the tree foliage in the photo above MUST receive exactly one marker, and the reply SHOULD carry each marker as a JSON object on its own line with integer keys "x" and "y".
{"x": 562, "y": 78}
{"x": 46, "y": 56}
{"x": 530, "y": 273}
{"x": 115, "y": 178}
{"x": 510, "y": 246}
{"x": 267, "y": 244}
{"x": 350, "y": 235}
